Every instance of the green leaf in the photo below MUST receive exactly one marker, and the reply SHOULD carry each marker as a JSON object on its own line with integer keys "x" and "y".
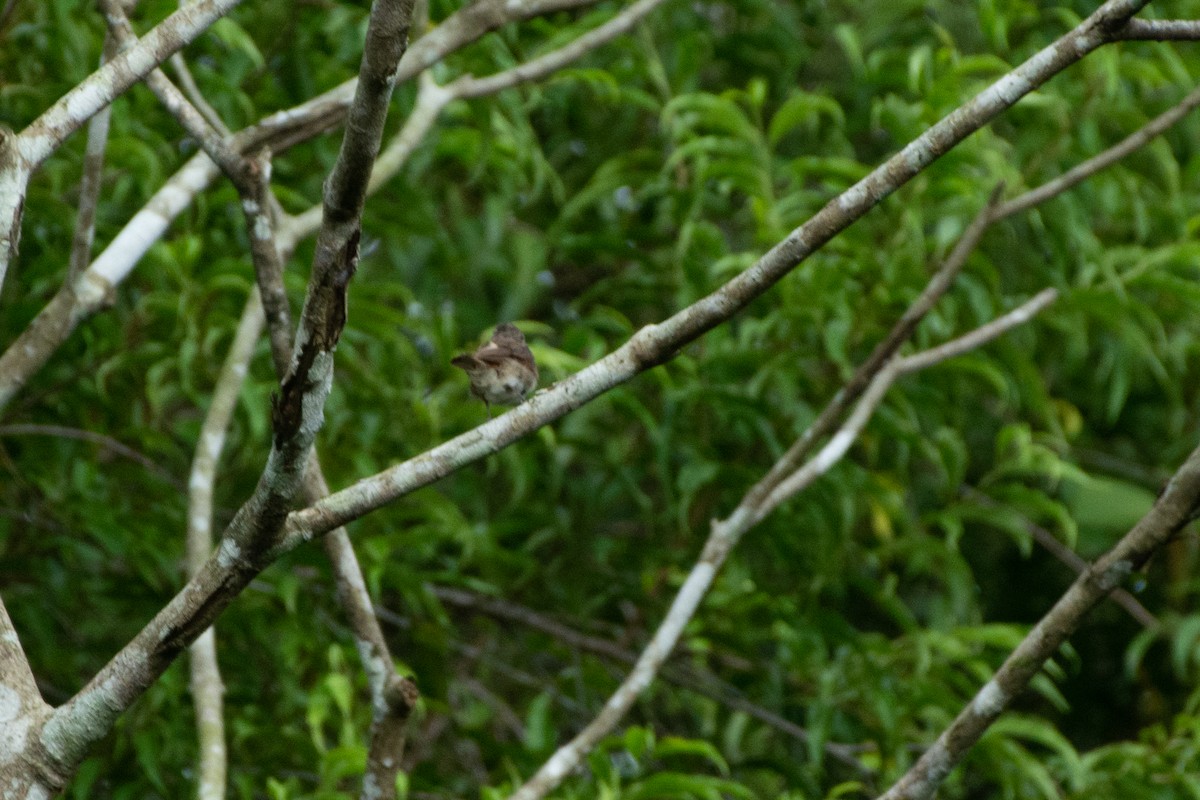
{"x": 539, "y": 732}
{"x": 675, "y": 745}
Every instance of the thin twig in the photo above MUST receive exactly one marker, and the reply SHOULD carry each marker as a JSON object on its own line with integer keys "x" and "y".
{"x": 89, "y": 182}
{"x": 685, "y": 675}
{"x": 1087, "y": 169}
{"x": 107, "y": 442}
{"x": 6, "y": 13}
{"x": 207, "y": 687}
{"x": 193, "y": 93}
{"x": 1049, "y": 542}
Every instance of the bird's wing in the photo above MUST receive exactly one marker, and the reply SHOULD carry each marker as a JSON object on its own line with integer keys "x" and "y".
{"x": 494, "y": 353}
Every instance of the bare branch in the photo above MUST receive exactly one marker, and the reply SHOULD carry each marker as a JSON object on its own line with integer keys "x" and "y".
{"x": 1112, "y": 155}
{"x": 22, "y": 154}
{"x": 468, "y": 87}
{"x": 723, "y": 537}
{"x": 196, "y": 97}
{"x": 1160, "y": 30}
{"x": 6, "y": 13}
{"x": 254, "y": 532}
{"x": 980, "y": 336}
{"x": 681, "y": 674}
{"x": 207, "y": 688}
{"x": 20, "y": 700}
{"x": 1049, "y": 542}
{"x": 107, "y": 442}
{"x": 1175, "y": 507}
{"x": 656, "y": 344}
{"x": 89, "y": 183}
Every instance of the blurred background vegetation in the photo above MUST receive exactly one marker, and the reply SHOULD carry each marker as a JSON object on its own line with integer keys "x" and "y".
{"x": 867, "y": 611}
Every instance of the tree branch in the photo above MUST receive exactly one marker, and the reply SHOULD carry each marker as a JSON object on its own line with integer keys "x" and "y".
{"x": 106, "y": 442}
{"x": 89, "y": 182}
{"x": 254, "y": 532}
{"x": 1049, "y": 542}
{"x": 20, "y": 700}
{"x": 81, "y": 299}
{"x": 188, "y": 84}
{"x": 207, "y": 688}
{"x": 1112, "y": 155}
{"x": 1160, "y": 30}
{"x": 22, "y": 154}
{"x": 724, "y": 536}
{"x": 684, "y": 675}
{"x": 1175, "y": 507}
{"x": 656, "y": 344}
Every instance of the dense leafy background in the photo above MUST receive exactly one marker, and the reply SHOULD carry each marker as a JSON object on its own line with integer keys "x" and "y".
{"x": 868, "y": 610}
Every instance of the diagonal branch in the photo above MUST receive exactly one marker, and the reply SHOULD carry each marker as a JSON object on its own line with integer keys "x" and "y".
{"x": 656, "y": 344}
{"x": 79, "y": 300}
{"x": 1175, "y": 507}
{"x": 1071, "y": 559}
{"x": 92, "y": 437}
{"x": 724, "y": 536}
{"x": 188, "y": 83}
{"x": 1160, "y": 30}
{"x": 697, "y": 680}
{"x": 19, "y": 695}
{"x": 1083, "y": 171}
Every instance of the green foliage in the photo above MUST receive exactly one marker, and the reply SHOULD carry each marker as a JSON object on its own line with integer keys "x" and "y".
{"x": 868, "y": 610}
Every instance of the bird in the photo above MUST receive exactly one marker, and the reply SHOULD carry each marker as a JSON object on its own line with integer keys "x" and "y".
{"x": 502, "y": 371}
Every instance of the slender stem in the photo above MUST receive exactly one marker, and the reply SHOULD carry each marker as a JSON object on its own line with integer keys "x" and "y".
{"x": 107, "y": 442}
{"x": 1077, "y": 564}
{"x": 900, "y": 333}
{"x": 207, "y": 687}
{"x": 1175, "y": 507}
{"x": 188, "y": 83}
{"x": 89, "y": 183}
{"x": 1112, "y": 155}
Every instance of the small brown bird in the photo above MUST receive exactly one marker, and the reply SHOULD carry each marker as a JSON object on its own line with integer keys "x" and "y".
{"x": 503, "y": 370}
